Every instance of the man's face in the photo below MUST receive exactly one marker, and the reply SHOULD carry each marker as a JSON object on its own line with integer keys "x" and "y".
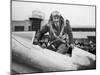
{"x": 56, "y": 18}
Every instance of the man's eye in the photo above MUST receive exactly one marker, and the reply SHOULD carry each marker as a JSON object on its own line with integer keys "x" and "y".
{"x": 56, "y": 18}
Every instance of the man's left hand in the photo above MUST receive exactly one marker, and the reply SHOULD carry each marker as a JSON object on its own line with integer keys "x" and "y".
{"x": 72, "y": 46}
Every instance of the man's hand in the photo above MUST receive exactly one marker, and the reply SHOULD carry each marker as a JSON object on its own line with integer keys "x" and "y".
{"x": 72, "y": 46}
{"x": 35, "y": 41}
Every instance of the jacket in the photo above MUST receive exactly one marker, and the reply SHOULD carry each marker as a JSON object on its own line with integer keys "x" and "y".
{"x": 56, "y": 31}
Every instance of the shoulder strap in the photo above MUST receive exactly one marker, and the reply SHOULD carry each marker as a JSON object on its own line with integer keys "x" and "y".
{"x": 51, "y": 28}
{"x": 61, "y": 33}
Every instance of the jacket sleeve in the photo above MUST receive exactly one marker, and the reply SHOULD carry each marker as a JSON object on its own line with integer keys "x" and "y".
{"x": 40, "y": 33}
{"x": 69, "y": 32}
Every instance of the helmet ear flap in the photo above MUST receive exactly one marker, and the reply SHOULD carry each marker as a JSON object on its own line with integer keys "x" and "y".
{"x": 50, "y": 19}
{"x": 67, "y": 21}
{"x": 61, "y": 20}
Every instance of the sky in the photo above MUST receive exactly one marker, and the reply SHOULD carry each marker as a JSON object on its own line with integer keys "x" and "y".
{"x": 79, "y": 16}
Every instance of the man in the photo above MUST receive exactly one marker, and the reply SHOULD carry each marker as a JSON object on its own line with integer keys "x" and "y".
{"x": 58, "y": 30}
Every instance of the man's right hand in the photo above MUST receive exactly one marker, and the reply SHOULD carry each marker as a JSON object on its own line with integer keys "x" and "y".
{"x": 35, "y": 42}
